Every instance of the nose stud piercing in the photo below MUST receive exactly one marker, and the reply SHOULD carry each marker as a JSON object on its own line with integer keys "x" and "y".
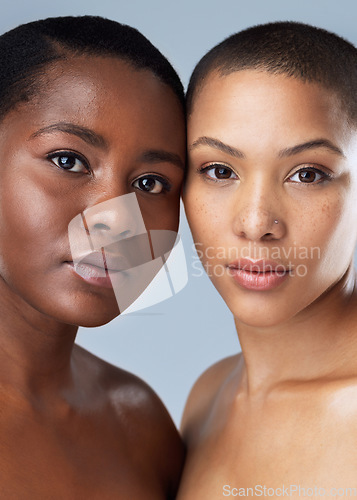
{"x": 276, "y": 221}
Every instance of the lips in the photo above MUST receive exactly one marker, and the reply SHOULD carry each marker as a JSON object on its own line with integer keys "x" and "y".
{"x": 258, "y": 266}
{"x": 258, "y": 275}
{"x": 98, "y": 268}
{"x": 104, "y": 261}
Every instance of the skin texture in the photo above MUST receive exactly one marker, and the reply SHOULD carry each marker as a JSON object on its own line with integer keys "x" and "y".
{"x": 72, "y": 425}
{"x": 283, "y": 411}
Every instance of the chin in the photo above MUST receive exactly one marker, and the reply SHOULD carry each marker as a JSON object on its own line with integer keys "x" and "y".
{"x": 90, "y": 320}
{"x": 257, "y": 321}
{"x": 95, "y": 322}
{"x": 260, "y": 312}
{"x": 88, "y": 314}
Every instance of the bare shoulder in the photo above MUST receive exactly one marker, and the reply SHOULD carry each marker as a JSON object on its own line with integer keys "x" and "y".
{"x": 127, "y": 393}
{"x": 139, "y": 413}
{"x": 123, "y": 389}
{"x": 203, "y": 394}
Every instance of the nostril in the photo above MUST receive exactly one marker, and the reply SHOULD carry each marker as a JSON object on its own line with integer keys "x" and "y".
{"x": 268, "y": 236}
{"x": 124, "y": 234}
{"x": 100, "y": 225}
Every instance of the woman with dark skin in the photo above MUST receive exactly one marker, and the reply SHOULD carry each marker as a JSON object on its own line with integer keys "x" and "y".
{"x": 82, "y": 122}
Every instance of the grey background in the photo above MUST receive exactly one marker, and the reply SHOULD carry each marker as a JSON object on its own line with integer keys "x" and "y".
{"x": 170, "y": 344}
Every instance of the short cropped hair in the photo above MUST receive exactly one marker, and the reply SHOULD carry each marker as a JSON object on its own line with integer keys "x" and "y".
{"x": 26, "y": 51}
{"x": 293, "y": 49}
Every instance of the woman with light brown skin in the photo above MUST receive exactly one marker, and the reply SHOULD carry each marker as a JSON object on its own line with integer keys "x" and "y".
{"x": 90, "y": 111}
{"x": 272, "y": 187}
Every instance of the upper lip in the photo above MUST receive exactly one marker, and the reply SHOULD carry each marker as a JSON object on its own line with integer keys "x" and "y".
{"x": 260, "y": 266}
{"x": 107, "y": 261}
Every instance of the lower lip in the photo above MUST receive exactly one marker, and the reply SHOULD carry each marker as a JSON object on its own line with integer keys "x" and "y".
{"x": 92, "y": 274}
{"x": 258, "y": 281}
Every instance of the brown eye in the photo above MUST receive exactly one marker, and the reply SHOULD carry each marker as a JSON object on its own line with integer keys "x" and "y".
{"x": 219, "y": 172}
{"x": 69, "y": 161}
{"x": 151, "y": 184}
{"x": 222, "y": 172}
{"x": 308, "y": 176}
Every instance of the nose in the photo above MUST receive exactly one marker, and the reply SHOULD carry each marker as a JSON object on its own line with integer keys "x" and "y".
{"x": 113, "y": 219}
{"x": 258, "y": 215}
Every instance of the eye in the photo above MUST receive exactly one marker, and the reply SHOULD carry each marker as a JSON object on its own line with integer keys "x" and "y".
{"x": 309, "y": 175}
{"x": 152, "y": 184}
{"x": 218, "y": 172}
{"x": 67, "y": 160}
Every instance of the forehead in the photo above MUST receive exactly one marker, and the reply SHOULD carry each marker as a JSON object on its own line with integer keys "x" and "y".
{"x": 266, "y": 111}
{"x": 107, "y": 95}
{"x": 90, "y": 80}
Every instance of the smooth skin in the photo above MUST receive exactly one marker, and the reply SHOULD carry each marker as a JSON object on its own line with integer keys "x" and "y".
{"x": 262, "y": 148}
{"x": 72, "y": 425}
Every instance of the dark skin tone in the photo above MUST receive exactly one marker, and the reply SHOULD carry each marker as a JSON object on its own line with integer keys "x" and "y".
{"x": 73, "y": 426}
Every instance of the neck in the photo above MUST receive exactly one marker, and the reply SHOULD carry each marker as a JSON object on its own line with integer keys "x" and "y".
{"x": 35, "y": 350}
{"x": 317, "y": 343}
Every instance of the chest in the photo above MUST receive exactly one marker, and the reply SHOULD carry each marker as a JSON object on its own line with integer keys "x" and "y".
{"x": 274, "y": 445}
{"x": 89, "y": 460}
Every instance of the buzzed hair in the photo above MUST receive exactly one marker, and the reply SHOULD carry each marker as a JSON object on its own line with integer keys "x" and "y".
{"x": 27, "y": 51}
{"x": 293, "y": 49}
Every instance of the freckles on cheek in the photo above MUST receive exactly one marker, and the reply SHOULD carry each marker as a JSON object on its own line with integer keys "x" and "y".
{"x": 318, "y": 225}
{"x": 332, "y": 213}
{"x": 204, "y": 220}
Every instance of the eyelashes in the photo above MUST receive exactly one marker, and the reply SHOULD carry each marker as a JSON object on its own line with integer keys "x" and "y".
{"x": 75, "y": 163}
{"x": 307, "y": 174}
{"x": 218, "y": 172}
{"x": 69, "y": 161}
{"x": 150, "y": 183}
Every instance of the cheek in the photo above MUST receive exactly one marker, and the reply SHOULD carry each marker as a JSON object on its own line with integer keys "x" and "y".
{"x": 206, "y": 214}
{"x": 33, "y": 226}
{"x": 326, "y": 231}
{"x": 21, "y": 218}
{"x": 161, "y": 214}
{"x": 312, "y": 225}
{"x": 338, "y": 235}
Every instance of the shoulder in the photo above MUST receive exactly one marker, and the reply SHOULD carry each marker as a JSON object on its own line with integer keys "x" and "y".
{"x": 203, "y": 395}
{"x": 140, "y": 413}
{"x": 124, "y": 390}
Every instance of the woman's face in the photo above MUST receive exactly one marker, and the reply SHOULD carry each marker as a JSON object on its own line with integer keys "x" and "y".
{"x": 271, "y": 192}
{"x": 99, "y": 129}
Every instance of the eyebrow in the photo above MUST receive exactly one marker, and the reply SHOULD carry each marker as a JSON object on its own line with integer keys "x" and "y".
{"x": 83, "y": 133}
{"x": 94, "y": 139}
{"x": 294, "y": 150}
{"x": 318, "y": 143}
{"x": 162, "y": 156}
{"x": 216, "y": 144}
